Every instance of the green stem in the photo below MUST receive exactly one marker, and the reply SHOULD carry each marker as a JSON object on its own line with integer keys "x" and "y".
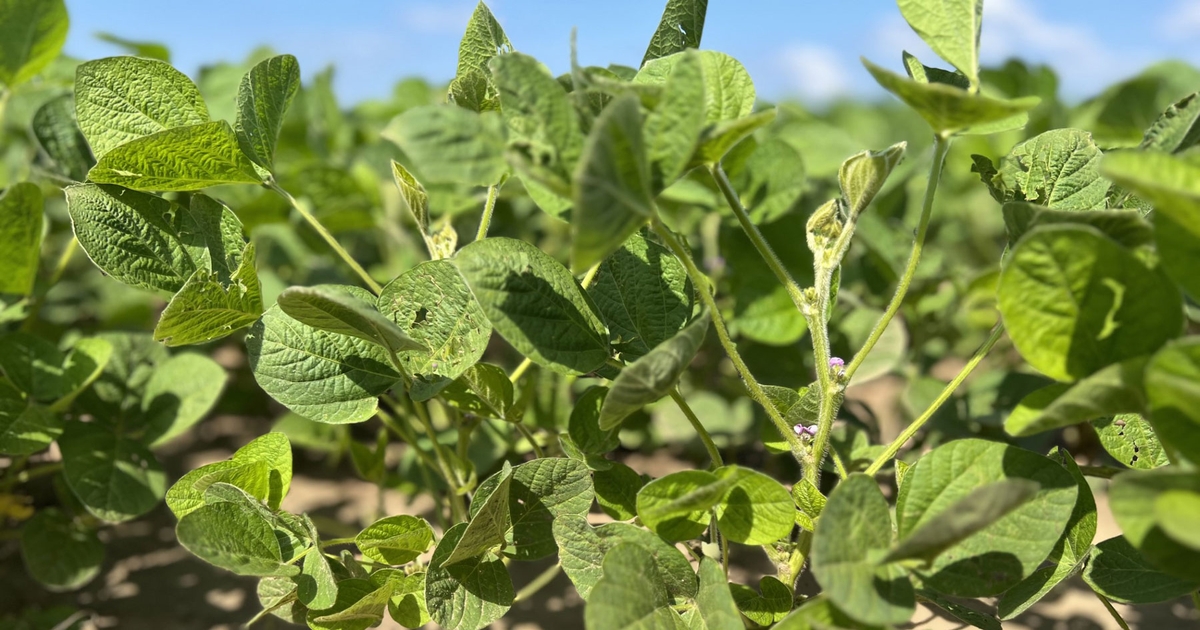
{"x": 837, "y": 463}
{"x": 941, "y": 146}
{"x": 488, "y": 208}
{"x": 756, "y": 237}
{"x": 30, "y": 474}
{"x": 520, "y": 371}
{"x": 337, "y": 541}
{"x": 1112, "y": 611}
{"x": 440, "y": 461}
{"x": 4, "y": 95}
{"x": 713, "y": 453}
{"x": 916, "y": 425}
{"x": 705, "y": 290}
{"x": 1103, "y": 472}
{"x": 60, "y": 268}
{"x": 326, "y": 236}
{"x": 528, "y": 435}
{"x": 538, "y": 583}
{"x": 406, "y": 433}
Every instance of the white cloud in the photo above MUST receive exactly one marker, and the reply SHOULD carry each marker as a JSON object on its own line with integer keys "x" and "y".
{"x": 816, "y": 73}
{"x": 1181, "y": 21}
{"x": 439, "y": 17}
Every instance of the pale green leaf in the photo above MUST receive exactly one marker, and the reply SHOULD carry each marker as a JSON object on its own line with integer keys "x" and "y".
{"x": 1176, "y": 129}
{"x": 719, "y": 138}
{"x": 395, "y": 539}
{"x": 1126, "y": 227}
{"x": 714, "y": 601}
{"x": 360, "y": 604}
{"x": 541, "y": 491}
{"x": 676, "y": 507}
{"x": 151, "y": 50}
{"x": 485, "y": 390}
{"x": 951, "y": 28}
{"x": 1173, "y": 388}
{"x": 673, "y": 129}
{"x": 32, "y": 33}
{"x": 181, "y": 391}
{"x": 539, "y": 115}
{"x": 1133, "y": 497}
{"x": 1058, "y": 169}
{"x": 490, "y": 520}
{"x": 180, "y": 158}
{"x": 863, "y": 175}
{"x": 728, "y": 90}
{"x": 771, "y": 603}
{"x": 254, "y": 550}
{"x": 206, "y": 308}
{"x": 21, "y": 233}
{"x": 756, "y": 509}
{"x": 630, "y": 594}
{"x": 263, "y": 98}
{"x": 535, "y": 304}
{"x": 1130, "y": 439}
{"x": 450, "y": 144}
{"x": 119, "y": 99}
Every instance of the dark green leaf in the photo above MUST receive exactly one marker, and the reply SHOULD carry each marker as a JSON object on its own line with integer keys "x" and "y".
{"x": 972, "y": 513}
{"x": 263, "y": 98}
{"x": 681, "y": 26}
{"x": 652, "y": 376}
{"x": 1112, "y": 390}
{"x": 115, "y": 478}
{"x": 1118, "y": 571}
{"x": 60, "y": 554}
{"x": 468, "y": 595}
{"x": 57, "y": 131}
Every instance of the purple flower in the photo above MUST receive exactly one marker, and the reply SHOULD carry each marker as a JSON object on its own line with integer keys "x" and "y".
{"x": 805, "y": 432}
{"x": 836, "y": 363}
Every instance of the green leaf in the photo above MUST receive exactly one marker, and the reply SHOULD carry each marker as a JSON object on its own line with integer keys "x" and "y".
{"x": 1176, "y": 129}
{"x": 1011, "y": 547}
{"x": 538, "y": 114}
{"x": 951, "y": 28}
{"x": 483, "y": 40}
{"x": 60, "y": 554}
{"x": 277, "y": 596}
{"x": 433, "y": 305}
{"x": 1032, "y": 589}
{"x": 644, "y": 295}
{"x": 58, "y": 133}
{"x": 1058, "y": 169}
{"x": 582, "y": 549}
{"x": 253, "y": 550}
{"x": 407, "y": 605}
{"x": 718, "y": 139}
{"x": 673, "y": 129}
{"x": 772, "y": 605}
{"x": 853, "y": 533}
{"x": 152, "y": 50}
{"x": 32, "y": 33}
{"x": 1178, "y": 514}
{"x": 818, "y": 613}
{"x": 1113, "y": 390}
{"x": 1121, "y": 573}
{"x": 948, "y": 109}
{"x": 334, "y": 309}
{"x": 82, "y": 367}
{"x": 1126, "y": 227}
{"x": 359, "y": 605}
{"x": 316, "y": 586}
{"x": 490, "y": 520}
{"x": 630, "y": 594}
{"x": 395, "y": 539}
{"x": 1130, "y": 439}
{"x": 960, "y": 612}
{"x": 323, "y": 376}
{"x": 485, "y": 390}
{"x": 468, "y": 595}
{"x": 756, "y": 509}
{"x": 1179, "y": 248}
{"x": 863, "y": 175}
{"x": 449, "y": 144}
{"x": 1171, "y": 385}
{"x": 440, "y": 243}
{"x": 261, "y": 468}
{"x": 676, "y": 507}
{"x": 584, "y": 423}
{"x": 771, "y": 180}
{"x": 652, "y": 376}
{"x": 728, "y": 90}
{"x": 922, "y": 73}
{"x": 21, "y": 232}
{"x": 612, "y": 185}
{"x": 966, "y": 516}
{"x": 681, "y": 26}
{"x": 114, "y": 477}
{"x": 33, "y": 364}
{"x": 1074, "y": 301}
{"x": 119, "y": 99}
{"x": 1133, "y": 497}
{"x": 714, "y": 601}
{"x": 541, "y": 491}
{"x": 25, "y": 428}
{"x": 206, "y": 308}
{"x": 809, "y": 500}
{"x": 535, "y": 304}
{"x": 181, "y": 158}
{"x": 617, "y": 489}
{"x": 263, "y": 98}
{"x": 179, "y": 394}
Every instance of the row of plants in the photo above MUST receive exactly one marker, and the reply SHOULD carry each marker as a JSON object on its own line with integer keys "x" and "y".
{"x": 625, "y": 213}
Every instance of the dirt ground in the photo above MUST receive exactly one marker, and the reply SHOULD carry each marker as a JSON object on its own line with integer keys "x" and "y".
{"x": 150, "y": 583}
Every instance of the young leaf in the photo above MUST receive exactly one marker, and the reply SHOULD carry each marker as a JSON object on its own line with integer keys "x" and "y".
{"x": 395, "y": 540}
{"x": 180, "y": 158}
{"x": 756, "y": 510}
{"x": 490, "y": 520}
{"x": 205, "y": 308}
{"x": 433, "y": 305}
{"x": 1074, "y": 301}
{"x": 612, "y": 185}
{"x": 468, "y": 595}
{"x": 449, "y": 144}
{"x": 863, "y": 175}
{"x": 323, "y": 376}
{"x": 582, "y": 549}
{"x": 334, "y": 309}
{"x": 472, "y": 88}
{"x": 261, "y": 468}
{"x": 21, "y": 233}
{"x": 151, "y": 50}
{"x": 277, "y": 596}
{"x": 922, "y": 73}
{"x": 855, "y": 528}
{"x": 1112, "y": 390}
{"x": 120, "y": 99}
{"x": 1121, "y": 573}
{"x": 1171, "y": 387}
{"x": 60, "y": 554}
{"x": 442, "y": 243}
{"x": 719, "y": 138}
{"x": 948, "y": 109}
{"x": 114, "y": 477}
{"x": 979, "y": 509}
{"x": 535, "y": 304}
{"x": 951, "y": 28}
{"x": 263, "y": 98}
{"x": 676, "y": 507}
{"x": 541, "y": 491}
{"x": 1133, "y": 497}
{"x": 1015, "y": 544}
{"x": 1130, "y": 439}
{"x": 178, "y": 394}
{"x": 32, "y": 33}
{"x": 407, "y": 605}
{"x": 58, "y": 133}
{"x": 630, "y": 594}
{"x": 1058, "y": 169}
{"x": 728, "y": 89}
{"x": 681, "y": 26}
{"x": 652, "y": 376}
{"x": 772, "y": 605}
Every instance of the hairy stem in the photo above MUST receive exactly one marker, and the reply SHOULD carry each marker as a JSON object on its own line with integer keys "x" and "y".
{"x": 488, "y": 208}
{"x": 713, "y": 453}
{"x": 941, "y": 146}
{"x": 911, "y": 429}
{"x": 327, "y": 237}
{"x": 705, "y": 290}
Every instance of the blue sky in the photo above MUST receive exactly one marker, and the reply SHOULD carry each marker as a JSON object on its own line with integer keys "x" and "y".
{"x": 806, "y": 49}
